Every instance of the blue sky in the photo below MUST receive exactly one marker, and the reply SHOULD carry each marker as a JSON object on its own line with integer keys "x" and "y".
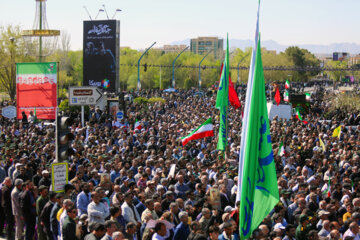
{"x": 288, "y": 22}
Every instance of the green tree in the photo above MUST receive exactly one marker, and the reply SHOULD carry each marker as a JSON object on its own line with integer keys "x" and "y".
{"x": 302, "y": 58}
{"x": 12, "y": 49}
{"x": 338, "y": 74}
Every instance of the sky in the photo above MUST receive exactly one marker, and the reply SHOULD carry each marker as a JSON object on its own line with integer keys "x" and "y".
{"x": 142, "y": 22}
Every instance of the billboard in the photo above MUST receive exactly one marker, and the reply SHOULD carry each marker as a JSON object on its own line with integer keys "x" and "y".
{"x": 101, "y": 54}
{"x": 36, "y": 87}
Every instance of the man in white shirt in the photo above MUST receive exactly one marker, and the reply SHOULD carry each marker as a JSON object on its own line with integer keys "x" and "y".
{"x": 353, "y": 231}
{"x": 97, "y": 211}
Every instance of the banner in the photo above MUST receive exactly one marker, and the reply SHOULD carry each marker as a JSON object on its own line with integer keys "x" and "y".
{"x": 36, "y": 87}
{"x": 59, "y": 176}
{"x": 101, "y": 54}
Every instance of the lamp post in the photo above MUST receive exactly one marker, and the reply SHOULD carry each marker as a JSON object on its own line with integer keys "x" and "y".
{"x": 139, "y": 83}
{"x": 12, "y": 59}
{"x": 238, "y": 66}
{"x": 200, "y": 68}
{"x": 116, "y": 11}
{"x": 100, "y": 10}
{"x": 173, "y": 66}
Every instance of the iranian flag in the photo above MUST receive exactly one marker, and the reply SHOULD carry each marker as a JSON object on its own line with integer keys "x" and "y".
{"x": 281, "y": 151}
{"x": 287, "y": 84}
{"x": 137, "y": 125}
{"x": 328, "y": 190}
{"x": 298, "y": 116}
{"x": 204, "y": 130}
{"x": 308, "y": 97}
{"x": 286, "y": 96}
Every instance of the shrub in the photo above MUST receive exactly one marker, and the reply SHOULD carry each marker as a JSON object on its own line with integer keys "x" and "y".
{"x": 141, "y": 100}
{"x": 156, "y": 99}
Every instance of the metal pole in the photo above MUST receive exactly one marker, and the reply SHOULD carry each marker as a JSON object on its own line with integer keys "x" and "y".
{"x": 173, "y": 66}
{"x": 40, "y": 27}
{"x": 106, "y": 12}
{"x": 139, "y": 83}
{"x": 238, "y": 67}
{"x": 200, "y": 68}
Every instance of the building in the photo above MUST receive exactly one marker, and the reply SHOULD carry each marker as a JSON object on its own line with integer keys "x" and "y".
{"x": 341, "y": 56}
{"x": 354, "y": 60}
{"x": 171, "y": 48}
{"x": 203, "y": 45}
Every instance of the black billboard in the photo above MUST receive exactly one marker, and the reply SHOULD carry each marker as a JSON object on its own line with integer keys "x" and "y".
{"x": 101, "y": 54}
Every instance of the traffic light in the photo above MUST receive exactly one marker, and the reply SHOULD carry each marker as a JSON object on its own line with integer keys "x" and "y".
{"x": 122, "y": 103}
{"x": 145, "y": 67}
{"x": 64, "y": 138}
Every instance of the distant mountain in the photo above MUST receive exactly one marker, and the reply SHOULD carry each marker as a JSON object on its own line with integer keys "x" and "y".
{"x": 352, "y": 48}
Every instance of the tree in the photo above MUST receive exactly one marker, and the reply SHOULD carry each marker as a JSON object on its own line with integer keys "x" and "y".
{"x": 12, "y": 49}
{"x": 338, "y": 74}
{"x": 302, "y": 58}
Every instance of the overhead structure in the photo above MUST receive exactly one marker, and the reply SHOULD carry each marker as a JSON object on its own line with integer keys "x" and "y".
{"x": 41, "y": 41}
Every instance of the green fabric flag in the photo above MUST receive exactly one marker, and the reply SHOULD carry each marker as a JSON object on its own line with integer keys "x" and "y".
{"x": 222, "y": 101}
{"x": 259, "y": 189}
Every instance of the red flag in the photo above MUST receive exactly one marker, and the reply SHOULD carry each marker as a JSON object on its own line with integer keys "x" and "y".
{"x": 233, "y": 97}
{"x": 277, "y": 97}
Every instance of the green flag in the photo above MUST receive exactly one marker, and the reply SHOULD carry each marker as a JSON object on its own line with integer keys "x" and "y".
{"x": 222, "y": 101}
{"x": 259, "y": 189}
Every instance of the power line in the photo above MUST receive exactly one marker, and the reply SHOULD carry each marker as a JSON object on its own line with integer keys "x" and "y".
{"x": 270, "y": 68}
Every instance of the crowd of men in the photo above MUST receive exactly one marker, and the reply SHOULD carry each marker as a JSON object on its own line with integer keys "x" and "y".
{"x": 122, "y": 186}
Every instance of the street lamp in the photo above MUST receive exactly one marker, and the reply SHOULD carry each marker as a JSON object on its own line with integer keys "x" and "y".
{"x": 173, "y": 66}
{"x": 139, "y": 83}
{"x": 105, "y": 11}
{"x": 117, "y": 10}
{"x": 12, "y": 59}
{"x": 100, "y": 10}
{"x": 238, "y": 66}
{"x": 200, "y": 68}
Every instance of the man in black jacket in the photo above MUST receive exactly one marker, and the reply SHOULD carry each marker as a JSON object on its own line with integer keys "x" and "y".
{"x": 45, "y": 215}
{"x": 28, "y": 208}
{"x": 69, "y": 225}
{"x": 6, "y": 204}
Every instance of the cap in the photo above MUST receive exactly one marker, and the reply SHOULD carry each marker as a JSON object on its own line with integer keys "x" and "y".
{"x": 18, "y": 165}
{"x": 45, "y": 172}
{"x": 228, "y": 209}
{"x": 322, "y": 213}
{"x": 279, "y": 226}
{"x": 169, "y": 193}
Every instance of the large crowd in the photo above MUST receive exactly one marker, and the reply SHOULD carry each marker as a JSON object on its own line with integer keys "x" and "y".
{"x": 121, "y": 185}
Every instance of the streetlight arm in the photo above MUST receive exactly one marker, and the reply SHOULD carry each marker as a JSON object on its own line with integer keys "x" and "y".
{"x": 200, "y": 65}
{"x": 173, "y": 66}
{"x": 139, "y": 83}
{"x": 238, "y": 66}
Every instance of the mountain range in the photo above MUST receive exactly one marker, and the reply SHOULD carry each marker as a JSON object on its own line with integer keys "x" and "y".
{"x": 352, "y": 48}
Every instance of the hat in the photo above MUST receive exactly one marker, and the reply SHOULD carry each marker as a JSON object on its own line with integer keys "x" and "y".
{"x": 323, "y": 212}
{"x": 228, "y": 209}
{"x": 224, "y": 216}
{"x": 18, "y": 182}
{"x": 169, "y": 193}
{"x": 284, "y": 191}
{"x": 83, "y": 216}
{"x": 279, "y": 226}
{"x": 45, "y": 172}
{"x": 18, "y": 165}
